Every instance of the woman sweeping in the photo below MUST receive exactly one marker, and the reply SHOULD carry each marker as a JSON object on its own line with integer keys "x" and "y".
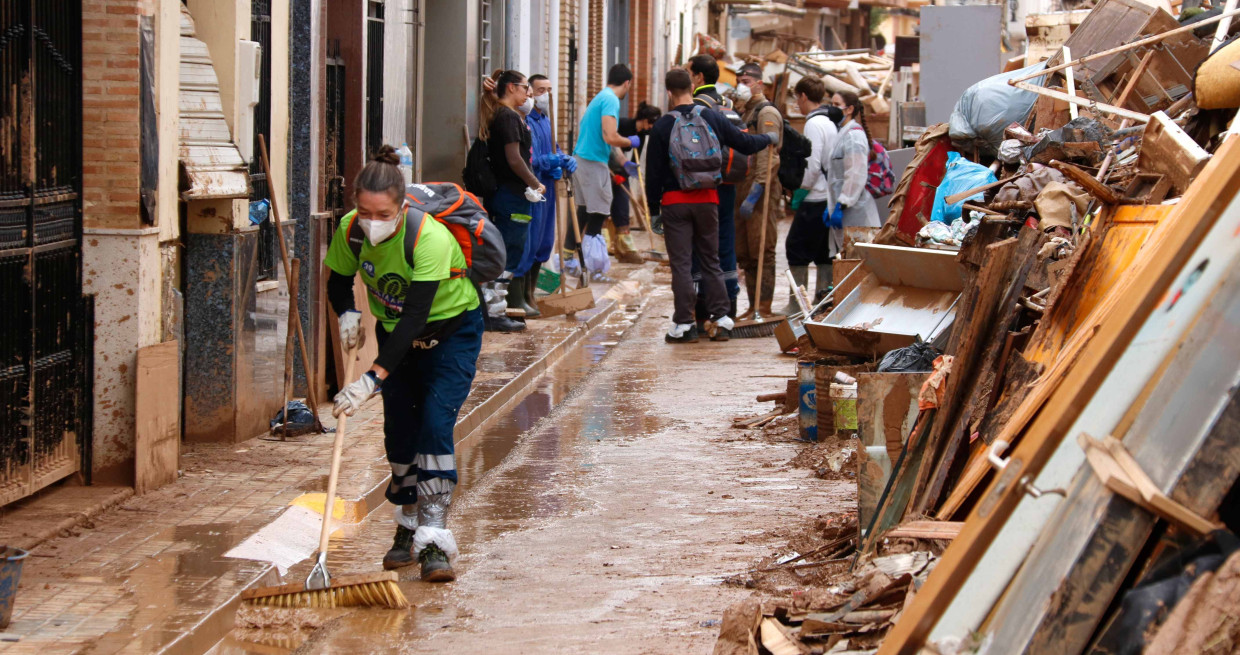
{"x": 849, "y": 204}
{"x": 430, "y": 332}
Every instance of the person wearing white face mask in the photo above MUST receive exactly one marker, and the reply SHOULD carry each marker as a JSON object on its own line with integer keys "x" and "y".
{"x": 550, "y": 164}
{"x": 509, "y": 143}
{"x": 429, "y": 328}
{"x": 761, "y": 117}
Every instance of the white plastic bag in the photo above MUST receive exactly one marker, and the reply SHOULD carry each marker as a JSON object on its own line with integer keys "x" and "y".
{"x": 594, "y": 247}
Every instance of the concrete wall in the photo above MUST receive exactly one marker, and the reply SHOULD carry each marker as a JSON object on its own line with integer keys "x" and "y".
{"x": 451, "y": 43}
{"x": 121, "y": 257}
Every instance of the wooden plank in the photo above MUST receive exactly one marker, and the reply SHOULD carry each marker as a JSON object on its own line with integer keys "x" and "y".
{"x": 1067, "y": 387}
{"x": 946, "y": 530}
{"x": 1097, "y": 189}
{"x": 157, "y": 412}
{"x": 980, "y": 309}
{"x": 1168, "y": 150}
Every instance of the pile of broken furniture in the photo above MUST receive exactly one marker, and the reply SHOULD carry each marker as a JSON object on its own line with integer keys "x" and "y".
{"x": 1078, "y": 437}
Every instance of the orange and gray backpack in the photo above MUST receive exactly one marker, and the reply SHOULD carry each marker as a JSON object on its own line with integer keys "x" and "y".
{"x": 462, "y": 213}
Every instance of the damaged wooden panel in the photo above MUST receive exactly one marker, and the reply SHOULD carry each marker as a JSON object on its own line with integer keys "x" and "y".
{"x": 1169, "y": 151}
{"x": 886, "y": 413}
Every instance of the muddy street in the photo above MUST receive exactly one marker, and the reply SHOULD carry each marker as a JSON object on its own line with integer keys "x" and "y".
{"x": 601, "y": 513}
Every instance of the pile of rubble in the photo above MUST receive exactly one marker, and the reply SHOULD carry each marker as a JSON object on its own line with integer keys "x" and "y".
{"x": 1034, "y": 360}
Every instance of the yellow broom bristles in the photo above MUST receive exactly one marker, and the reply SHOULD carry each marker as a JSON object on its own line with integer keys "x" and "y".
{"x": 385, "y": 594}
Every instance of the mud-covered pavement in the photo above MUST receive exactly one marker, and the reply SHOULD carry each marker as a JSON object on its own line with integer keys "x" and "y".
{"x": 600, "y": 514}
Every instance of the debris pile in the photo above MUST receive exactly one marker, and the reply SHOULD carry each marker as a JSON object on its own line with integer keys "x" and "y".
{"x": 1043, "y": 376}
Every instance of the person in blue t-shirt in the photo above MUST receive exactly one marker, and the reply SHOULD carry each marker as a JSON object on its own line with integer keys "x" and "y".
{"x": 597, "y": 133}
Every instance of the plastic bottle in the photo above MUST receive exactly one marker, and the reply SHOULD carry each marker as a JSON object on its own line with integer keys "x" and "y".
{"x": 406, "y": 162}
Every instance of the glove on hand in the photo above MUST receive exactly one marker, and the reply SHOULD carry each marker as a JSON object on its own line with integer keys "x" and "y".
{"x": 834, "y": 217}
{"x": 630, "y": 168}
{"x": 751, "y": 201}
{"x": 351, "y": 397}
{"x": 617, "y": 179}
{"x": 635, "y": 142}
{"x": 656, "y": 224}
{"x": 798, "y": 197}
{"x": 569, "y": 164}
{"x": 546, "y": 163}
{"x": 350, "y": 328}
{"x": 556, "y": 173}
{"x": 773, "y": 136}
{"x": 533, "y": 195}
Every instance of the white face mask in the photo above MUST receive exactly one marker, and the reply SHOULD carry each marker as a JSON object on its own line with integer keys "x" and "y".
{"x": 743, "y": 93}
{"x": 527, "y": 106}
{"x": 543, "y": 103}
{"x": 379, "y": 231}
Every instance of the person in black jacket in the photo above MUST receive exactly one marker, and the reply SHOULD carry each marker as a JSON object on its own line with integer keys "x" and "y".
{"x": 691, "y": 218}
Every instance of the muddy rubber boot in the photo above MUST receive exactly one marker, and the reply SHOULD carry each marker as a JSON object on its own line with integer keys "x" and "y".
{"x": 435, "y": 565}
{"x": 801, "y": 275}
{"x": 400, "y": 554}
{"x": 626, "y": 250}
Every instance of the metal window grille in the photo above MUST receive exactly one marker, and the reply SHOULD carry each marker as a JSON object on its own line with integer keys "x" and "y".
{"x": 44, "y": 404}
{"x": 335, "y": 151}
{"x": 374, "y": 76}
{"x": 260, "y": 32}
{"x": 486, "y": 37}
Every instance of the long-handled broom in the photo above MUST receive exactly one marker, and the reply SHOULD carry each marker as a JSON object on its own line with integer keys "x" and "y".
{"x": 760, "y": 326}
{"x": 321, "y": 590}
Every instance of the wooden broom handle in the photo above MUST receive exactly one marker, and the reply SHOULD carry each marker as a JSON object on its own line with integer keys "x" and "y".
{"x": 766, "y": 208}
{"x": 329, "y": 503}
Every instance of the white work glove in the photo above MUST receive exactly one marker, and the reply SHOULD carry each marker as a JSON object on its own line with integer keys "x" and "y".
{"x": 350, "y": 328}
{"x": 353, "y": 396}
{"x": 533, "y": 195}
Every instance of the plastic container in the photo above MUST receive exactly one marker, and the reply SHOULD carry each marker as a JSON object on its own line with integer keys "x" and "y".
{"x": 809, "y": 401}
{"x": 10, "y": 575}
{"x": 406, "y": 162}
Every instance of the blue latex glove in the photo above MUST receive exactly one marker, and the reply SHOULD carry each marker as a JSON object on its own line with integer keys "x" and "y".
{"x": 751, "y": 201}
{"x": 544, "y": 164}
{"x": 834, "y": 217}
{"x": 556, "y": 173}
{"x": 569, "y": 164}
{"x": 630, "y": 169}
{"x": 635, "y": 142}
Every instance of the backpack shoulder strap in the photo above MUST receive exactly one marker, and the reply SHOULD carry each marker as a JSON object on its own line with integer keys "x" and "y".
{"x": 354, "y": 236}
{"x": 413, "y": 230}
{"x": 705, "y": 101}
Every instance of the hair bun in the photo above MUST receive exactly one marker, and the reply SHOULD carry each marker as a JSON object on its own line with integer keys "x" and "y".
{"x": 387, "y": 155}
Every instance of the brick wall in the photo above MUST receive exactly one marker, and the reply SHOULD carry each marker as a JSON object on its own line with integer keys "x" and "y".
{"x": 645, "y": 77}
{"x": 110, "y": 112}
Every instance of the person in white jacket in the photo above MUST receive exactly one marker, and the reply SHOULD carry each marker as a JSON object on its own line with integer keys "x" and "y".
{"x": 808, "y": 240}
{"x": 848, "y": 170}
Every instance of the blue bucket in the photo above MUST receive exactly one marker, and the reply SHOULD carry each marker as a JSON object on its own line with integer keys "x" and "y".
{"x": 10, "y": 575}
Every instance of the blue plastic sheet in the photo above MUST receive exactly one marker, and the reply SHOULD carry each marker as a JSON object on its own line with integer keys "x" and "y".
{"x": 961, "y": 175}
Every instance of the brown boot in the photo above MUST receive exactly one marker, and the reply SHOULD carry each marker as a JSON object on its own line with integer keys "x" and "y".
{"x": 626, "y": 250}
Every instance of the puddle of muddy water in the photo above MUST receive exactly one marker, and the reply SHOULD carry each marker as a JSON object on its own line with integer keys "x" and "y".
{"x": 498, "y": 491}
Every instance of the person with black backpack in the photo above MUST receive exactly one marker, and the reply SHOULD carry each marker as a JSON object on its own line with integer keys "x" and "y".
{"x": 420, "y": 285}
{"x": 808, "y": 240}
{"x": 684, "y": 158}
{"x": 761, "y": 117}
{"x": 705, "y": 73}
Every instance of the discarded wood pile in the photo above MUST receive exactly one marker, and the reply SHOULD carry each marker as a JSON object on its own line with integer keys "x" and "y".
{"x": 1042, "y": 338}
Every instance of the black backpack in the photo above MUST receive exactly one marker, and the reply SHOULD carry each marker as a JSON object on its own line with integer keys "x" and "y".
{"x": 478, "y": 175}
{"x": 794, "y": 152}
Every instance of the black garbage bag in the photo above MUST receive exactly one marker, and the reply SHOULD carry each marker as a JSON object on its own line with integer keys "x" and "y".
{"x": 300, "y": 421}
{"x": 1147, "y": 604}
{"x": 917, "y": 358}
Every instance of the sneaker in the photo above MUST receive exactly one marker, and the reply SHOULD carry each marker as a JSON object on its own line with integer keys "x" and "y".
{"x": 399, "y": 555}
{"x": 435, "y": 566}
{"x": 720, "y": 329}
{"x": 682, "y": 333}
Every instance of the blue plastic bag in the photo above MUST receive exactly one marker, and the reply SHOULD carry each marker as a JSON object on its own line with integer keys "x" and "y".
{"x": 961, "y": 175}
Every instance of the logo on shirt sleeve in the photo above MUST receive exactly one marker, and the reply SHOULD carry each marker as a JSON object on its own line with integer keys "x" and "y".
{"x": 369, "y": 267}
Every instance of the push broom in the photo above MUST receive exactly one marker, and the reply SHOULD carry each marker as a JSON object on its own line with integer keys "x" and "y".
{"x": 321, "y": 590}
{"x": 759, "y": 326}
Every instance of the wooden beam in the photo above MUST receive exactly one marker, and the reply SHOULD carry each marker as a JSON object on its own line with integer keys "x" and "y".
{"x": 1077, "y": 100}
{"x": 1095, "y": 188}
